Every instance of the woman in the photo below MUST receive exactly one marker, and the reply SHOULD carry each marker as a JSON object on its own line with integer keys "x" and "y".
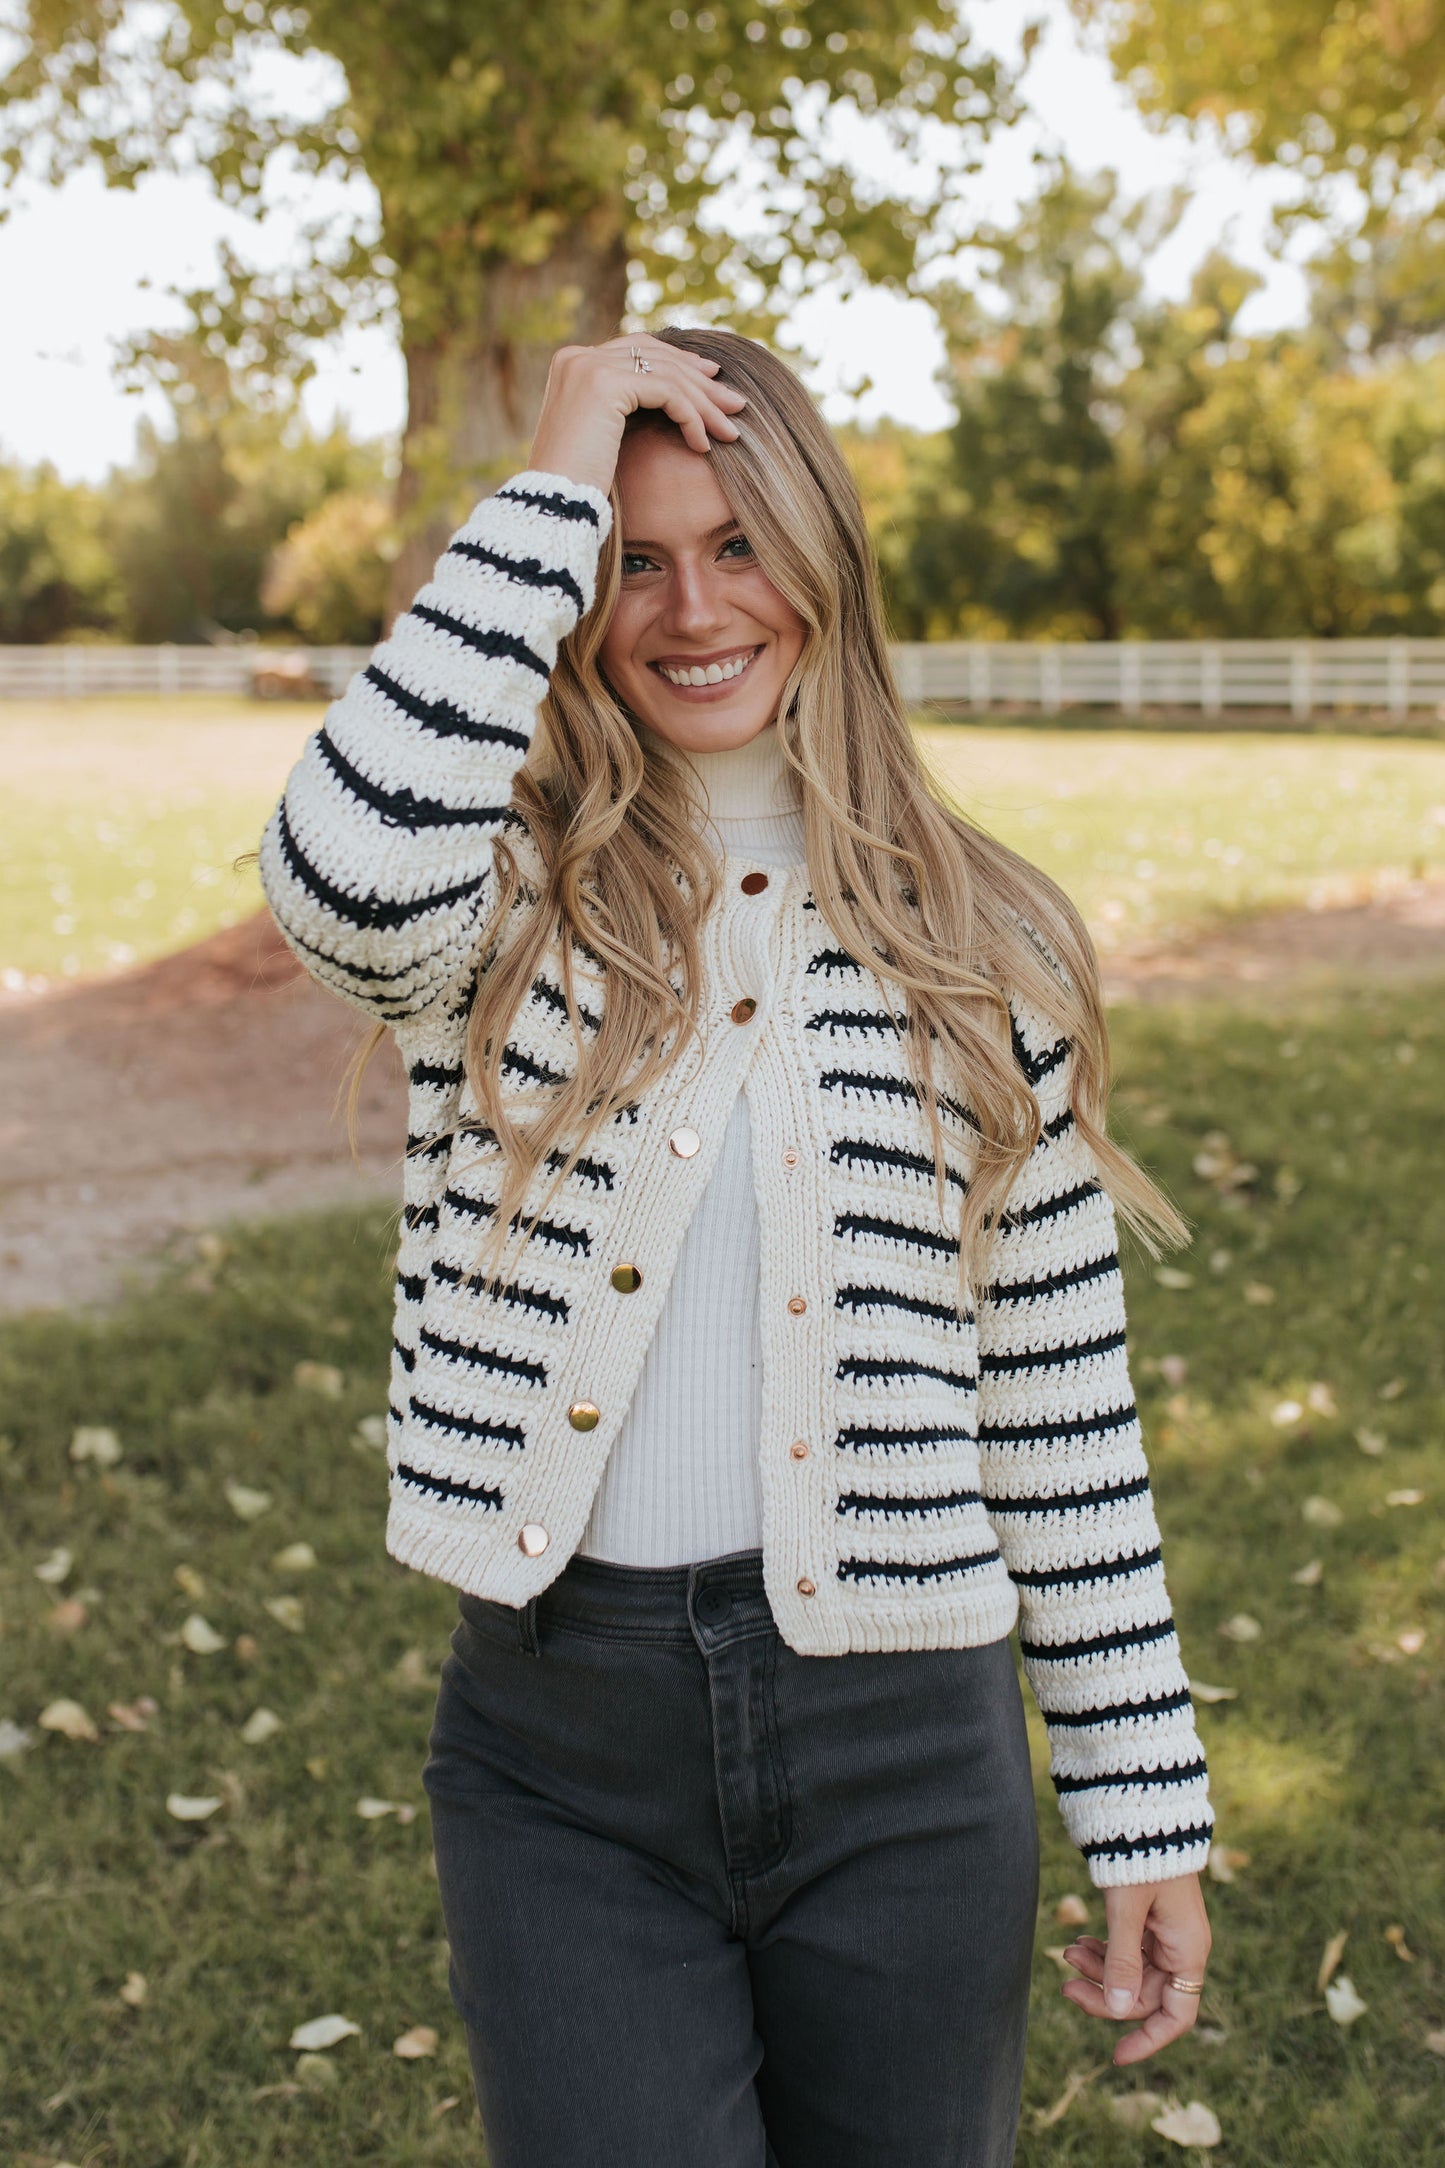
{"x": 759, "y": 1352}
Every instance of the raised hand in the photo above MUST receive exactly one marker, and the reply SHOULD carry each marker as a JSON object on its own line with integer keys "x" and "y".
{"x": 591, "y": 390}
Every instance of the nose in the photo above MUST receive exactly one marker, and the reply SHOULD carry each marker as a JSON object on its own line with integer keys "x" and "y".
{"x": 697, "y": 605}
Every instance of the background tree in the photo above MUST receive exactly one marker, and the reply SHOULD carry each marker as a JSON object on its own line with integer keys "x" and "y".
{"x": 529, "y": 163}
{"x": 329, "y": 576}
{"x": 57, "y": 575}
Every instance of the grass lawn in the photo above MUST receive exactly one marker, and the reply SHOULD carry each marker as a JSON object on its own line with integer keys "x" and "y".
{"x": 1306, "y": 1427}
{"x": 123, "y": 817}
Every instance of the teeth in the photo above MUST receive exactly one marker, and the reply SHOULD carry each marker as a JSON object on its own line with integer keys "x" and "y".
{"x": 715, "y": 673}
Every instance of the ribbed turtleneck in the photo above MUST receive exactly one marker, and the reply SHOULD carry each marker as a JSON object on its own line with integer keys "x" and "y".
{"x": 753, "y": 801}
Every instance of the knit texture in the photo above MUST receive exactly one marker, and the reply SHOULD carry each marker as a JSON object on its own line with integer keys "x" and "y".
{"x": 681, "y": 1482}
{"x": 962, "y": 1473}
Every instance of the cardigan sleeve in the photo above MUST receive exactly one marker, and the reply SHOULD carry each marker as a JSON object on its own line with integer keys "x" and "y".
{"x": 377, "y": 860}
{"x": 1067, "y": 1490}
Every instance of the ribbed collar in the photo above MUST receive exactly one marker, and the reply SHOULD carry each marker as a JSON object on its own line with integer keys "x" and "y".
{"x": 747, "y": 782}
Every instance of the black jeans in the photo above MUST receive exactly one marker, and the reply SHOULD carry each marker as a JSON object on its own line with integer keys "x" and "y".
{"x": 712, "y": 1904}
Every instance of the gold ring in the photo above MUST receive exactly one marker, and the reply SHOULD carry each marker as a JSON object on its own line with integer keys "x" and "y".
{"x": 1187, "y": 1987}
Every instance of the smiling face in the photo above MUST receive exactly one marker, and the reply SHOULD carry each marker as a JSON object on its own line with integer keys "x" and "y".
{"x": 700, "y": 643}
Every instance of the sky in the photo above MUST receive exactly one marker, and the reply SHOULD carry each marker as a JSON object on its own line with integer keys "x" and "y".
{"x": 85, "y": 267}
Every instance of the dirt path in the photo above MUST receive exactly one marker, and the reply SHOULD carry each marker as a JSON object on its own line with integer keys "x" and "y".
{"x": 142, "y": 1109}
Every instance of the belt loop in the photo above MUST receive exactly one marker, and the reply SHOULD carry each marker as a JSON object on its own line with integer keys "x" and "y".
{"x": 527, "y": 1628}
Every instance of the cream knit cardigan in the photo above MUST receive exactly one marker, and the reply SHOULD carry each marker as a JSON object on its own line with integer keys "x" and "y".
{"x": 927, "y": 1478}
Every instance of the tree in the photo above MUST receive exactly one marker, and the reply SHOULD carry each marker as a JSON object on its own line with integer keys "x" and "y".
{"x": 530, "y": 164}
{"x": 57, "y": 577}
{"x": 329, "y": 576}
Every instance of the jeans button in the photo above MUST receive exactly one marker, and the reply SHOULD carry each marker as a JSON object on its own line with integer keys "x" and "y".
{"x": 713, "y": 1605}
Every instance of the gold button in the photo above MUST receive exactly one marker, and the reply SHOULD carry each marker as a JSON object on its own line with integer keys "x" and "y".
{"x": 797, "y": 1304}
{"x": 582, "y": 1415}
{"x": 806, "y": 1588}
{"x": 626, "y": 1279}
{"x": 743, "y": 1011}
{"x": 532, "y": 1539}
{"x": 790, "y": 1157}
{"x": 753, "y": 884}
{"x": 684, "y": 1142}
{"x": 798, "y": 1450}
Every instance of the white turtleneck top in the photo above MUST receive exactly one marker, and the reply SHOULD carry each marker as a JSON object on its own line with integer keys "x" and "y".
{"x": 681, "y": 1482}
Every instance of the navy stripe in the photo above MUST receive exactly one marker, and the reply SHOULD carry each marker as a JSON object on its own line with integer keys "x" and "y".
{"x": 1165, "y": 1841}
{"x": 1072, "y": 1351}
{"x": 412, "y": 1285}
{"x": 830, "y": 960}
{"x": 883, "y": 1298}
{"x": 836, "y": 1020}
{"x": 436, "y": 1072}
{"x": 1116, "y": 1712}
{"x": 1036, "y": 1066}
{"x": 862, "y": 1502}
{"x": 370, "y": 973}
{"x": 467, "y": 1426}
{"x": 1140, "y": 1778}
{"x": 1029, "y": 1215}
{"x": 555, "y": 1233}
{"x": 1106, "y": 1569}
{"x": 377, "y": 911}
{"x": 484, "y": 1358}
{"x": 1071, "y": 1501}
{"x": 517, "y": 1297}
{"x": 1059, "y": 1124}
{"x": 516, "y": 1063}
{"x": 1070, "y": 1652}
{"x": 857, "y": 1437}
{"x": 402, "y": 808}
{"x": 555, "y": 506}
{"x": 442, "y": 717}
{"x": 847, "y": 1150}
{"x": 915, "y": 1238}
{"x": 526, "y": 571}
{"x": 405, "y": 1355}
{"x": 1071, "y": 1426}
{"x": 1054, "y": 1283}
{"x": 870, "y": 1569}
{"x": 488, "y": 640}
{"x": 889, "y": 1087}
{"x": 553, "y": 997}
{"x": 865, "y": 1368}
{"x": 482, "y": 1494}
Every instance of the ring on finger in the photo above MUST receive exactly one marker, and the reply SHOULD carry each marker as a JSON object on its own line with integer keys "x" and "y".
{"x": 1186, "y": 1987}
{"x": 639, "y": 366}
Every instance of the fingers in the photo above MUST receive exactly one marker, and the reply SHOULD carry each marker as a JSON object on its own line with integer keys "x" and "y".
{"x": 1166, "y": 2012}
{"x": 680, "y": 383}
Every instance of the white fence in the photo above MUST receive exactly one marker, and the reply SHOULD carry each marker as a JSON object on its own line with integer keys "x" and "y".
{"x": 1302, "y": 677}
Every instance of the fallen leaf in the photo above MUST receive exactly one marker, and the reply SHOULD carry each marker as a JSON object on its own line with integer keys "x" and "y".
{"x": 67, "y": 1616}
{"x": 1193, "y": 2125}
{"x": 1220, "y": 1260}
{"x": 68, "y": 1718}
{"x": 1241, "y": 1627}
{"x": 1055, "y": 1950}
{"x": 200, "y": 1637}
{"x": 1308, "y": 1575}
{"x": 134, "y": 1990}
{"x": 92, "y": 1441}
{"x": 1256, "y": 1292}
{"x": 1213, "y": 2036}
{"x": 1435, "y": 2041}
{"x": 1322, "y": 1513}
{"x": 1203, "y": 1692}
{"x": 260, "y": 1725}
{"x": 322, "y": 2032}
{"x": 287, "y": 1611}
{"x": 1071, "y": 1911}
{"x": 1343, "y": 2004}
{"x": 1225, "y": 1862}
{"x": 316, "y": 1766}
{"x": 1132, "y": 2111}
{"x": 322, "y": 1378}
{"x": 246, "y": 1647}
{"x": 56, "y": 1566}
{"x": 190, "y": 1583}
{"x": 315, "y": 2070}
{"x": 1391, "y": 1390}
{"x": 15, "y": 1740}
{"x": 453, "y": 2100}
{"x": 411, "y": 2046}
{"x": 1395, "y": 1936}
{"x": 1173, "y": 1369}
{"x": 247, "y": 1504}
{"x": 1171, "y": 1277}
{"x": 1411, "y": 1641}
{"x": 1334, "y": 1951}
{"x": 1321, "y": 1398}
{"x": 1045, "y": 2118}
{"x": 1405, "y": 1498}
{"x": 411, "y": 1669}
{"x": 296, "y": 1558}
{"x": 372, "y": 1810}
{"x": 1288, "y": 1411}
{"x": 1370, "y": 1441}
{"x": 371, "y": 1433}
{"x": 186, "y": 1808}
{"x": 132, "y": 1715}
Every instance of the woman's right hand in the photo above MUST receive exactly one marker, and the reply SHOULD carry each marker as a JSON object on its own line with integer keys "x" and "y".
{"x": 591, "y": 390}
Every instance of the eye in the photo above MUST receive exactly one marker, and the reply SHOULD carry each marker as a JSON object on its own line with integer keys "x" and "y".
{"x": 738, "y": 542}
{"x": 633, "y": 562}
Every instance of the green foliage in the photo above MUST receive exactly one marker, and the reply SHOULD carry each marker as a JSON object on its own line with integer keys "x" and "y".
{"x": 285, "y": 1903}
{"x": 57, "y": 576}
{"x": 329, "y": 575}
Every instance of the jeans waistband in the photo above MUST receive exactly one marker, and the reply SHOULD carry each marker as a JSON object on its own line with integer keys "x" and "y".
{"x": 712, "y": 1598}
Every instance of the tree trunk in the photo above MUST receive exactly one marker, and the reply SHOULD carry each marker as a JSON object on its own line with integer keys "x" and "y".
{"x": 473, "y": 393}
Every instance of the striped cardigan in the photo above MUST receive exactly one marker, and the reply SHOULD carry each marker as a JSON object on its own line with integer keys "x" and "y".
{"x": 928, "y": 1478}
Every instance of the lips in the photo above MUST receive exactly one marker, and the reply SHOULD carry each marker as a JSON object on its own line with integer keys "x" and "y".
{"x": 717, "y": 670}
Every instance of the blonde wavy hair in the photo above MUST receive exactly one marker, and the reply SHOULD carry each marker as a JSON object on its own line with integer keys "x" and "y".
{"x": 947, "y": 918}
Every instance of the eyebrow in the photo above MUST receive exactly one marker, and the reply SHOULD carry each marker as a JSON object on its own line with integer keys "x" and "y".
{"x": 642, "y": 541}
